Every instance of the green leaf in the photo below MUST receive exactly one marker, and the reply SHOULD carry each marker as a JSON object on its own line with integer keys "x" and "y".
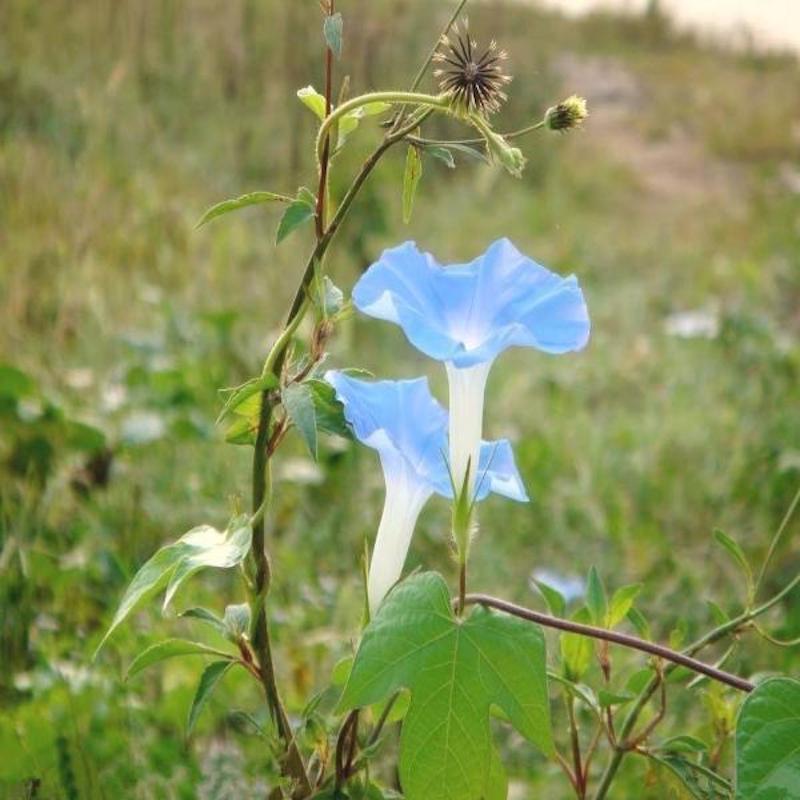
{"x": 477, "y": 155}
{"x": 298, "y": 213}
{"x": 683, "y": 744}
{"x": 299, "y": 404}
{"x": 332, "y": 29}
{"x": 341, "y": 671}
{"x": 204, "y": 615}
{"x": 237, "y": 395}
{"x": 151, "y": 578}
{"x": 211, "y": 676}
{"x": 14, "y": 383}
{"x": 622, "y": 603}
{"x": 455, "y": 670}
{"x": 737, "y": 554}
{"x": 411, "y": 176}
{"x": 606, "y": 698}
{"x": 237, "y": 621}
{"x": 170, "y": 648}
{"x": 768, "y": 742}
{"x": 329, "y": 412}
{"x": 556, "y": 603}
{"x": 210, "y": 548}
{"x": 243, "y": 201}
{"x": 576, "y": 650}
{"x": 441, "y": 154}
{"x": 637, "y": 619}
{"x": 596, "y": 599}
{"x": 641, "y": 678}
{"x": 579, "y": 691}
{"x": 719, "y": 616}
{"x": 701, "y": 782}
{"x": 312, "y": 99}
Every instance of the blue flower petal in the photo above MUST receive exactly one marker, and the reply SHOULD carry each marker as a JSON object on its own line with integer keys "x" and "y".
{"x": 469, "y": 313}
{"x": 408, "y": 427}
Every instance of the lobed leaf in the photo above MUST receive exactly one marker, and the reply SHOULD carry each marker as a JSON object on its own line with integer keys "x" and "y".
{"x": 455, "y": 669}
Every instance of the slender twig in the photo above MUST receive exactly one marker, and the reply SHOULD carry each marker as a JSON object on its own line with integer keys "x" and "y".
{"x": 580, "y": 787}
{"x": 624, "y": 639}
{"x": 422, "y": 142}
{"x": 720, "y": 632}
{"x": 376, "y": 731}
{"x": 564, "y": 764}
{"x": 326, "y": 148}
{"x": 776, "y": 540}
{"x": 425, "y": 64}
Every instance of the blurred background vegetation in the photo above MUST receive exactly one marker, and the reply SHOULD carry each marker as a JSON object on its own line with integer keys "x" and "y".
{"x": 678, "y": 207}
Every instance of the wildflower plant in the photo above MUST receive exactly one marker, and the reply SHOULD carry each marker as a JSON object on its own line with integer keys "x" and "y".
{"x": 463, "y": 657}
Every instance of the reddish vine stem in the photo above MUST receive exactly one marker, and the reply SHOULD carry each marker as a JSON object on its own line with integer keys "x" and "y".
{"x": 603, "y": 634}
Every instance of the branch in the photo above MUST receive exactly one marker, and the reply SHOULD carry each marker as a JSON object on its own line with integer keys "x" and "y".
{"x": 623, "y": 639}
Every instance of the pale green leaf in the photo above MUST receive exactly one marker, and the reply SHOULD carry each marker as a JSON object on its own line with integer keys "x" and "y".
{"x": 237, "y": 395}
{"x": 210, "y": 548}
{"x": 312, "y": 99}
{"x": 204, "y": 615}
{"x": 455, "y": 670}
{"x": 411, "y": 176}
{"x": 237, "y": 621}
{"x": 299, "y": 404}
{"x": 243, "y": 201}
{"x": 170, "y": 648}
{"x": 149, "y": 580}
{"x": 768, "y": 742}
{"x": 701, "y": 782}
{"x": 298, "y": 213}
{"x": 576, "y": 650}
{"x": 596, "y": 598}
{"x": 621, "y": 604}
{"x": 441, "y": 154}
{"x": 638, "y": 620}
{"x": 332, "y": 30}
{"x": 209, "y": 680}
{"x": 556, "y": 603}
{"x": 737, "y": 554}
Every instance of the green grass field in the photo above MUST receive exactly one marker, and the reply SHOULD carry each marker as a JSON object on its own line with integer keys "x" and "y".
{"x": 678, "y": 206}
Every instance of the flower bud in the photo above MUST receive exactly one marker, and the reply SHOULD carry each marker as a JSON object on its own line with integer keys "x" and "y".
{"x": 568, "y": 114}
{"x": 503, "y": 153}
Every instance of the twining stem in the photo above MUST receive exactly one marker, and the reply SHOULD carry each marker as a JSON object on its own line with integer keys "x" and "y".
{"x": 425, "y": 64}
{"x": 326, "y": 147}
{"x": 604, "y": 634}
{"x": 260, "y": 470}
{"x": 393, "y": 97}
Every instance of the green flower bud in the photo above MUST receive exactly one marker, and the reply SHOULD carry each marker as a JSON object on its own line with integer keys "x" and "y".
{"x": 568, "y": 114}
{"x": 503, "y": 153}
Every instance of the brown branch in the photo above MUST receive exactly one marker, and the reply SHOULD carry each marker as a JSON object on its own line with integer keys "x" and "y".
{"x": 623, "y": 639}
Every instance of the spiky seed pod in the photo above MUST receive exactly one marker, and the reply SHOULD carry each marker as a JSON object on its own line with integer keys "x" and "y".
{"x": 473, "y": 79}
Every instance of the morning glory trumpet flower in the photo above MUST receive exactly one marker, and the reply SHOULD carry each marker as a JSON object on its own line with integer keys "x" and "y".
{"x": 466, "y": 315}
{"x": 408, "y": 428}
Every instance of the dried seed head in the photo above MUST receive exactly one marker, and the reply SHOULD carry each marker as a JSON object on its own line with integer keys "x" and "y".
{"x": 568, "y": 114}
{"x": 475, "y": 81}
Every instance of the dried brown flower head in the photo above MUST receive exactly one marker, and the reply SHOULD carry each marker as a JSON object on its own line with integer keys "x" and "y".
{"x": 474, "y": 79}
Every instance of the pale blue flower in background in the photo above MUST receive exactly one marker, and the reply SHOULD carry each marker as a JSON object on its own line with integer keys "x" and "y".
{"x": 570, "y": 587}
{"x": 466, "y": 315}
{"x": 408, "y": 428}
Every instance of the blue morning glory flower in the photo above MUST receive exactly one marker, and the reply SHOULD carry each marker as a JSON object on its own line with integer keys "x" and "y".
{"x": 466, "y": 315}
{"x": 408, "y": 428}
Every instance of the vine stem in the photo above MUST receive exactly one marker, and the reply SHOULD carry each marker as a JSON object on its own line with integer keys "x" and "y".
{"x": 623, "y": 639}
{"x": 261, "y": 485}
{"x": 720, "y": 632}
{"x": 393, "y": 97}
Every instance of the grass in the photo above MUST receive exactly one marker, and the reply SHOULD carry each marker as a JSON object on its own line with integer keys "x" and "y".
{"x": 121, "y": 122}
